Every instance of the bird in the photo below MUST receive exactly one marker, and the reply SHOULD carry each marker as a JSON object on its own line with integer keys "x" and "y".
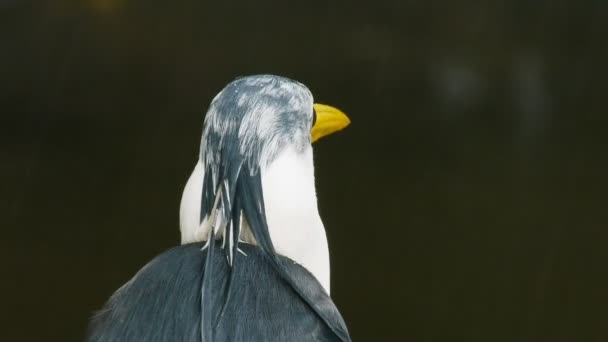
{"x": 253, "y": 263}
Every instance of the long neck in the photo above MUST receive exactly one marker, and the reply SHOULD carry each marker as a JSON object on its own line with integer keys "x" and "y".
{"x": 294, "y": 223}
{"x": 290, "y": 199}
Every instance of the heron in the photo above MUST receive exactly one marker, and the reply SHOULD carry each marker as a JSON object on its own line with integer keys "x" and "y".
{"x": 253, "y": 264}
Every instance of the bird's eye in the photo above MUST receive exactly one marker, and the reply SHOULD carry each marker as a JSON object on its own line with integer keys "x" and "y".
{"x": 314, "y": 117}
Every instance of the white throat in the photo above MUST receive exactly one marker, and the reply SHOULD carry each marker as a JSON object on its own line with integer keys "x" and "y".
{"x": 290, "y": 199}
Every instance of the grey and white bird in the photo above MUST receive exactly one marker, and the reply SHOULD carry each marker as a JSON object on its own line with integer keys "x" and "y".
{"x": 254, "y": 259}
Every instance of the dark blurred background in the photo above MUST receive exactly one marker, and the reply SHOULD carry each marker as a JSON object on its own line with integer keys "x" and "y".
{"x": 466, "y": 201}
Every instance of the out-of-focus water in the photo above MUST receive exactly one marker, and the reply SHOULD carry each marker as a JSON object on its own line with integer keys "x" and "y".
{"x": 465, "y": 202}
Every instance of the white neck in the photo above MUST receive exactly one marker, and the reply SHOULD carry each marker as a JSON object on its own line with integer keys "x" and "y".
{"x": 290, "y": 199}
{"x": 291, "y": 210}
{"x": 190, "y": 207}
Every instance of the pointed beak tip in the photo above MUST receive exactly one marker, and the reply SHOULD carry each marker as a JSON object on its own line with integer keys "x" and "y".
{"x": 329, "y": 121}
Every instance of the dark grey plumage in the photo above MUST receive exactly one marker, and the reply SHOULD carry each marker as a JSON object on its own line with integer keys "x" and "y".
{"x": 161, "y": 302}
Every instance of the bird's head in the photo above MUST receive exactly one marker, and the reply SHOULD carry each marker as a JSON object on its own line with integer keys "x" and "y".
{"x": 255, "y": 118}
{"x": 255, "y": 168}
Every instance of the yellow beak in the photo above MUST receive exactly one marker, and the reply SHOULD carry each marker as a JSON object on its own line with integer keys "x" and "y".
{"x": 329, "y": 120}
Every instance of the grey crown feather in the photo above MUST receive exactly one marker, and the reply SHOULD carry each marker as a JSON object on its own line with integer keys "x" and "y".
{"x": 246, "y": 125}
